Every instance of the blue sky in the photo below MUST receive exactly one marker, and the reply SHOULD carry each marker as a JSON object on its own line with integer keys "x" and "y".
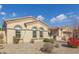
{"x": 52, "y": 14}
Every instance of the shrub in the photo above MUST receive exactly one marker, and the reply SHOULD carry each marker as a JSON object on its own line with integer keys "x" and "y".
{"x": 48, "y": 40}
{"x": 32, "y": 41}
{"x": 0, "y": 29}
{"x": 47, "y": 47}
{"x": 1, "y": 38}
{"x": 15, "y": 40}
{"x": 1, "y": 46}
{"x": 51, "y": 41}
{"x": 57, "y": 45}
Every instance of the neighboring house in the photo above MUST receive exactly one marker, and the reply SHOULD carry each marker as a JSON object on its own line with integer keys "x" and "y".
{"x": 24, "y": 30}
{"x": 76, "y": 33}
{"x": 62, "y": 33}
{"x": 65, "y": 32}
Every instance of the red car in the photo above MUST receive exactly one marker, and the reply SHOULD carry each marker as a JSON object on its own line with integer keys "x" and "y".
{"x": 73, "y": 42}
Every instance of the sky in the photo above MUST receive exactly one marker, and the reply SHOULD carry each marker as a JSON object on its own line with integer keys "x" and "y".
{"x": 52, "y": 14}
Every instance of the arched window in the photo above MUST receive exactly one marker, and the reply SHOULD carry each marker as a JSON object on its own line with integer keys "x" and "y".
{"x": 34, "y": 30}
{"x": 18, "y": 31}
{"x": 41, "y": 32}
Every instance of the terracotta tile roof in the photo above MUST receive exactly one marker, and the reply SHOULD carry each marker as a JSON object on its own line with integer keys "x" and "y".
{"x": 53, "y": 29}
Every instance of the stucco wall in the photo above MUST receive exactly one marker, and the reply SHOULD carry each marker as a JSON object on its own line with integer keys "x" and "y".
{"x": 10, "y": 35}
{"x": 26, "y": 36}
{"x": 26, "y": 32}
{"x": 4, "y": 37}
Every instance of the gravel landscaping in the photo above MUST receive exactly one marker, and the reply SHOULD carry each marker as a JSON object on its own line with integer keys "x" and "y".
{"x": 34, "y": 48}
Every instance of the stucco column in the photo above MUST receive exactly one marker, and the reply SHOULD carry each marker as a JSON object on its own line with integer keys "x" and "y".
{"x": 38, "y": 35}
{"x": 59, "y": 37}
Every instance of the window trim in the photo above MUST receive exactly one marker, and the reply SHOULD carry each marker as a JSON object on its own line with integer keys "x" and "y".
{"x": 41, "y": 32}
{"x": 34, "y": 29}
{"x": 18, "y": 30}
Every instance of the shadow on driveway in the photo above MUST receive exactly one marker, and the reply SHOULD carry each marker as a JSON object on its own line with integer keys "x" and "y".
{"x": 65, "y": 45}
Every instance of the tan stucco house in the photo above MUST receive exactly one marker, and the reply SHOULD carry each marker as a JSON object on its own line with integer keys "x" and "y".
{"x": 24, "y": 30}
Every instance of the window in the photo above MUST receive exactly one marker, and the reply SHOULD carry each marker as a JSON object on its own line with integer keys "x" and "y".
{"x": 41, "y": 32}
{"x": 34, "y": 30}
{"x": 18, "y": 31}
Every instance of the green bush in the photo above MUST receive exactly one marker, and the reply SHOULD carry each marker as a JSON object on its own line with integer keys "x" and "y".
{"x": 0, "y": 29}
{"x": 48, "y": 40}
{"x": 74, "y": 46}
{"x": 51, "y": 40}
{"x": 56, "y": 45}
{"x": 32, "y": 41}
{"x": 15, "y": 40}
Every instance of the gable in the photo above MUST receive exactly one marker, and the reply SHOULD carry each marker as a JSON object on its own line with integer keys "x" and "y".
{"x": 22, "y": 21}
{"x": 15, "y": 20}
{"x": 36, "y": 22}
